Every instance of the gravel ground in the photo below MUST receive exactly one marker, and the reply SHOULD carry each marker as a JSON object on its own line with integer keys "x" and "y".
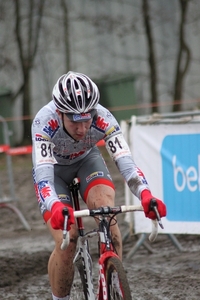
{"x": 165, "y": 274}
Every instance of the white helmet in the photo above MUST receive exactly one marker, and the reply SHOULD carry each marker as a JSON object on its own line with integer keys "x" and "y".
{"x": 75, "y": 93}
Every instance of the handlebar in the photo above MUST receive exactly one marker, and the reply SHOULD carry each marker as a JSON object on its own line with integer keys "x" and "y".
{"x": 106, "y": 210}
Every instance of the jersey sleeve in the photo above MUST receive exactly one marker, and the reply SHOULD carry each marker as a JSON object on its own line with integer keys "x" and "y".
{"x": 43, "y": 161}
{"x": 120, "y": 153}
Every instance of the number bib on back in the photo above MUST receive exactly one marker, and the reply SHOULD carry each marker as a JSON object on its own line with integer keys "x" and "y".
{"x": 117, "y": 147}
{"x": 44, "y": 152}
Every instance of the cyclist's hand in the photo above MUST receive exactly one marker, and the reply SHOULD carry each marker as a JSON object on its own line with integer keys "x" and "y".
{"x": 57, "y": 217}
{"x": 146, "y": 199}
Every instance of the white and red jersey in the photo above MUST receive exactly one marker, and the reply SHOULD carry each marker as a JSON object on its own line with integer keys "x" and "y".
{"x": 52, "y": 144}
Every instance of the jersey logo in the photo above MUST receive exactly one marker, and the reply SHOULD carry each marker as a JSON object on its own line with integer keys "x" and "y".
{"x": 36, "y": 186}
{"x": 71, "y": 156}
{"x": 139, "y": 172}
{"x": 52, "y": 128}
{"x": 40, "y": 137}
{"x": 36, "y": 122}
{"x": 77, "y": 154}
{"x": 44, "y": 189}
{"x": 112, "y": 130}
{"x": 100, "y": 124}
{"x": 64, "y": 198}
{"x": 93, "y": 175}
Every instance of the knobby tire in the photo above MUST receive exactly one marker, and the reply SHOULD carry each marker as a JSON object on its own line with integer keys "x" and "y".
{"x": 81, "y": 272}
{"x": 117, "y": 289}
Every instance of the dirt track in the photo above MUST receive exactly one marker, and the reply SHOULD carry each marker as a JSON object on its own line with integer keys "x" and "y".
{"x": 166, "y": 274}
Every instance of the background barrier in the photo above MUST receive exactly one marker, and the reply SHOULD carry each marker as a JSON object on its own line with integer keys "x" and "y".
{"x": 167, "y": 149}
{"x": 9, "y": 201}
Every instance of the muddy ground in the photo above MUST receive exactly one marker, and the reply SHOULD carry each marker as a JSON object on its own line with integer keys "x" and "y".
{"x": 165, "y": 274}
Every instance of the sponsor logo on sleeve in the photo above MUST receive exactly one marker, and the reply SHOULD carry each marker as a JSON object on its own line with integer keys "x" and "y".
{"x": 112, "y": 130}
{"x": 36, "y": 122}
{"x": 51, "y": 128}
{"x": 40, "y": 137}
{"x": 44, "y": 189}
{"x": 35, "y": 185}
{"x": 101, "y": 124}
{"x": 140, "y": 173}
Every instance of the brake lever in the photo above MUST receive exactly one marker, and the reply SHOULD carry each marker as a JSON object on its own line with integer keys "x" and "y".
{"x": 65, "y": 214}
{"x": 65, "y": 241}
{"x": 153, "y": 206}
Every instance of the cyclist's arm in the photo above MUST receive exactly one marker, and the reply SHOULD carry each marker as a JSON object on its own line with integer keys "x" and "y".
{"x": 120, "y": 152}
{"x": 43, "y": 164}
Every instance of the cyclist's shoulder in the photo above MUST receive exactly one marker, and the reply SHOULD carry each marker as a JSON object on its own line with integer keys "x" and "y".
{"x": 106, "y": 120}
{"x": 46, "y": 118}
{"x": 46, "y": 113}
{"x": 102, "y": 110}
{"x": 104, "y": 114}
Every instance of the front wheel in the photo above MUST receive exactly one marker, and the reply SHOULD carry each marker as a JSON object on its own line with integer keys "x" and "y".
{"x": 87, "y": 286}
{"x": 116, "y": 280}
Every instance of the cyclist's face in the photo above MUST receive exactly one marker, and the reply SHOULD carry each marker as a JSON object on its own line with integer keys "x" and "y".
{"x": 77, "y": 130}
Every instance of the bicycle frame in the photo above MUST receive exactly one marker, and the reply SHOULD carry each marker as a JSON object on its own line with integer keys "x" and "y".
{"x": 106, "y": 248}
{"x": 87, "y": 264}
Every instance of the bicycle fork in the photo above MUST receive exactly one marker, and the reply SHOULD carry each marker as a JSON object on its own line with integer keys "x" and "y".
{"x": 102, "y": 285}
{"x": 105, "y": 252}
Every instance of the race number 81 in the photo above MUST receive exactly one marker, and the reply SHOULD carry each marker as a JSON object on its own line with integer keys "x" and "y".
{"x": 117, "y": 147}
{"x": 44, "y": 152}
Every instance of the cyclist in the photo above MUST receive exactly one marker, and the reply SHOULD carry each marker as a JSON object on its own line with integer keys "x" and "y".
{"x": 64, "y": 135}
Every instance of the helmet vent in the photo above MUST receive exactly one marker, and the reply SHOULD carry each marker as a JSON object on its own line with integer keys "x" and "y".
{"x": 76, "y": 85}
{"x": 80, "y": 101}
